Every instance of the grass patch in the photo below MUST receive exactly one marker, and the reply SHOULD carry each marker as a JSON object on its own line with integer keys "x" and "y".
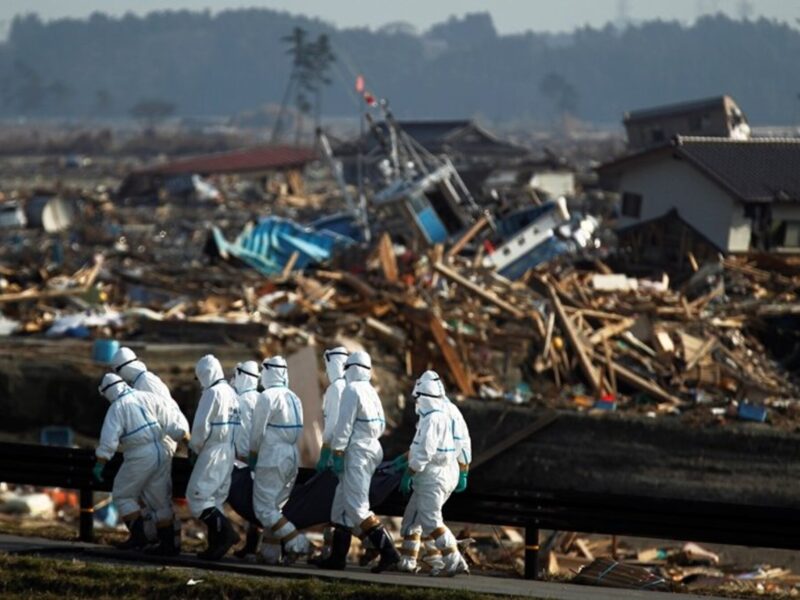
{"x": 47, "y": 578}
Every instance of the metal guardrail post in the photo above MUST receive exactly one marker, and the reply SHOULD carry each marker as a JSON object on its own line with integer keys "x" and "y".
{"x": 86, "y": 533}
{"x": 531, "y": 551}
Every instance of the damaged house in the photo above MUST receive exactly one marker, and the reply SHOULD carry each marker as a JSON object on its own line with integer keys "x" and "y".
{"x": 472, "y": 149}
{"x": 719, "y": 116}
{"x": 737, "y": 195}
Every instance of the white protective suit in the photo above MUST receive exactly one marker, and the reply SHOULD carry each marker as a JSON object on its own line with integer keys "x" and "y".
{"x": 128, "y": 366}
{"x": 277, "y": 428}
{"x": 432, "y": 457}
{"x": 214, "y": 431}
{"x": 334, "y": 367}
{"x": 135, "y": 424}
{"x": 463, "y": 442}
{"x": 359, "y": 425}
{"x": 245, "y": 382}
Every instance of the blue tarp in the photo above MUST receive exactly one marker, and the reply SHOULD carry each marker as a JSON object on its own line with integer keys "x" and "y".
{"x": 268, "y": 246}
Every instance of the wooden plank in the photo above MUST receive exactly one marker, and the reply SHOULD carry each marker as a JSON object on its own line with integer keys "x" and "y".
{"x": 567, "y": 327}
{"x": 701, "y": 353}
{"x": 609, "y": 361}
{"x": 389, "y": 333}
{"x": 633, "y": 379}
{"x": 356, "y": 283}
{"x": 457, "y": 368}
{"x": 490, "y": 297}
{"x": 515, "y": 438}
{"x": 29, "y": 295}
{"x": 693, "y": 262}
{"x": 609, "y": 331}
{"x": 387, "y": 258}
{"x": 467, "y": 237}
{"x": 287, "y": 268}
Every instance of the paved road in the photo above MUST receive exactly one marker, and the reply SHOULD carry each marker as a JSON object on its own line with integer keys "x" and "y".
{"x": 474, "y": 583}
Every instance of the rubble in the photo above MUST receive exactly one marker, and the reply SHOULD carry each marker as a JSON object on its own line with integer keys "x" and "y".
{"x": 570, "y": 333}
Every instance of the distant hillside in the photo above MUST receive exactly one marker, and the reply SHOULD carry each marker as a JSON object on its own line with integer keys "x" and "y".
{"x": 232, "y": 61}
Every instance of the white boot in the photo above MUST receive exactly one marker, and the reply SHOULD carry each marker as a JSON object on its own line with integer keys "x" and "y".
{"x": 409, "y": 553}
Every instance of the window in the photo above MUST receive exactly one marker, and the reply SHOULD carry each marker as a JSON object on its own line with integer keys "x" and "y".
{"x": 657, "y": 134}
{"x": 699, "y": 123}
{"x": 631, "y": 205}
{"x": 791, "y": 238}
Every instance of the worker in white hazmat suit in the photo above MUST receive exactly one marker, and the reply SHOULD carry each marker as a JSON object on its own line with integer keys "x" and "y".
{"x": 335, "y": 359}
{"x": 461, "y": 437}
{"x": 136, "y": 424}
{"x": 214, "y": 432}
{"x": 245, "y": 381}
{"x": 277, "y": 428}
{"x": 128, "y": 366}
{"x": 432, "y": 472}
{"x": 356, "y": 453}
{"x": 463, "y": 447}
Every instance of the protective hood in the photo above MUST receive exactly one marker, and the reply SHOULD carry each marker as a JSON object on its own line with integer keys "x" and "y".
{"x": 358, "y": 367}
{"x": 208, "y": 371}
{"x": 431, "y": 376}
{"x": 127, "y": 365}
{"x": 245, "y": 377}
{"x": 428, "y": 397}
{"x": 274, "y": 372}
{"x": 112, "y": 386}
{"x": 334, "y": 362}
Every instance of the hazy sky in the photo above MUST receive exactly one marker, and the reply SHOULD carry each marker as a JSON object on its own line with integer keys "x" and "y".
{"x": 509, "y": 15}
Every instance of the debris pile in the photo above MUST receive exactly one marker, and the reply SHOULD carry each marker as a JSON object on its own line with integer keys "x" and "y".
{"x": 570, "y": 333}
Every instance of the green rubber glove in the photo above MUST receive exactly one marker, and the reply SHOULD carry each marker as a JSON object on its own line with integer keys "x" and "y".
{"x": 405, "y": 482}
{"x": 462, "y": 481}
{"x": 400, "y": 463}
{"x": 192, "y": 457}
{"x": 252, "y": 460}
{"x": 97, "y": 471}
{"x": 324, "y": 459}
{"x": 338, "y": 463}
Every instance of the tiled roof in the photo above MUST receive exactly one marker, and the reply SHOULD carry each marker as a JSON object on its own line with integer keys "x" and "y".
{"x": 239, "y": 161}
{"x": 754, "y": 170}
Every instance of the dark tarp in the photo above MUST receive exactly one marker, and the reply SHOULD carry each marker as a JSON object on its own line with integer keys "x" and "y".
{"x": 309, "y": 503}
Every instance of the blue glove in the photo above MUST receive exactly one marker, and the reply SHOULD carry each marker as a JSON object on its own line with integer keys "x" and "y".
{"x": 324, "y": 459}
{"x": 462, "y": 481}
{"x": 252, "y": 460}
{"x": 192, "y": 457}
{"x": 338, "y": 463}
{"x": 405, "y": 482}
{"x": 97, "y": 471}
{"x": 400, "y": 463}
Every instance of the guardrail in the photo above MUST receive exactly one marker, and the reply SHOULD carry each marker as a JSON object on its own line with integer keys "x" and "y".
{"x": 642, "y": 516}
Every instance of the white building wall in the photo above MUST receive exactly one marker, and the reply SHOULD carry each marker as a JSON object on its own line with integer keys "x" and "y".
{"x": 667, "y": 183}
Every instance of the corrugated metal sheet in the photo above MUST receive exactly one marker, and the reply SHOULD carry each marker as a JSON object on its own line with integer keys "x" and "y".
{"x": 261, "y": 158}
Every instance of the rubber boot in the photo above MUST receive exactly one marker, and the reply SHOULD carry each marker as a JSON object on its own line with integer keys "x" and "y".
{"x": 166, "y": 542}
{"x": 390, "y": 557}
{"x": 340, "y": 546}
{"x": 221, "y": 535}
{"x": 250, "y": 542}
{"x": 137, "y": 539}
{"x": 370, "y": 553}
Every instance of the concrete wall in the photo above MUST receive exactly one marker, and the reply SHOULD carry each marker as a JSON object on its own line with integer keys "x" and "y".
{"x": 666, "y": 183}
{"x": 666, "y": 457}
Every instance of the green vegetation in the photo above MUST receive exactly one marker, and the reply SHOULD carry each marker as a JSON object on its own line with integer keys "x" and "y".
{"x": 34, "y": 577}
